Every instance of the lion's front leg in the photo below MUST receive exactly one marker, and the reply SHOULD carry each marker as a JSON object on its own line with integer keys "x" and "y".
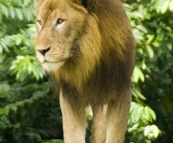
{"x": 117, "y": 118}
{"x": 74, "y": 122}
{"x": 99, "y": 123}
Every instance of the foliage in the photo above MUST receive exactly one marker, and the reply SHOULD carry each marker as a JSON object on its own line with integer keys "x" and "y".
{"x": 151, "y": 22}
{"x": 30, "y": 113}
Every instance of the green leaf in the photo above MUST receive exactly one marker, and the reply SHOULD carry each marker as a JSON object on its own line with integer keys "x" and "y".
{"x": 18, "y": 40}
{"x": 26, "y": 2}
{"x": 147, "y": 130}
{"x": 151, "y": 131}
{"x": 142, "y": 28}
{"x": 1, "y": 111}
{"x": 139, "y": 94}
{"x": 12, "y": 12}
{"x": 22, "y": 74}
{"x": 165, "y": 6}
{"x": 1, "y": 49}
{"x": 171, "y": 5}
{"x": 149, "y": 114}
{"x": 139, "y": 113}
{"x": 19, "y": 13}
{"x": 152, "y": 113}
{"x": 150, "y": 38}
{"x": 3, "y": 44}
{"x": 156, "y": 131}
{"x": 4, "y": 10}
{"x": 27, "y": 15}
{"x": 6, "y": 110}
{"x": 17, "y": 126}
{"x": 13, "y": 107}
{"x": 161, "y": 6}
{"x": 137, "y": 75}
{"x": 2, "y": 125}
{"x": 138, "y": 34}
{"x": 150, "y": 51}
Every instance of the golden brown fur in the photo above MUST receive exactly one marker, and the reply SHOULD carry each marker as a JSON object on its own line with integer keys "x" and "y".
{"x": 87, "y": 45}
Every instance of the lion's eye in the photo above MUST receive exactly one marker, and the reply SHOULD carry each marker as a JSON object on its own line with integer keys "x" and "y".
{"x": 59, "y": 21}
{"x": 39, "y": 22}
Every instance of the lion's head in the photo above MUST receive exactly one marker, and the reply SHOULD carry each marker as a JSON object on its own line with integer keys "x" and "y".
{"x": 65, "y": 35}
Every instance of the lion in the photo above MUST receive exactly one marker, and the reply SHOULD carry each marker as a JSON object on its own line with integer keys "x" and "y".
{"x": 89, "y": 49}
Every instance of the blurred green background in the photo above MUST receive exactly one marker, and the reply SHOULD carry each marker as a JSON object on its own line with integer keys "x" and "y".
{"x": 29, "y": 111}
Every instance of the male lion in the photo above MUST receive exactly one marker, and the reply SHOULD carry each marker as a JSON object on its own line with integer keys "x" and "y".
{"x": 88, "y": 46}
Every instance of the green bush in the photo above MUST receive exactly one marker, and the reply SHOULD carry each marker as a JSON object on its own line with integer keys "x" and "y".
{"x": 152, "y": 25}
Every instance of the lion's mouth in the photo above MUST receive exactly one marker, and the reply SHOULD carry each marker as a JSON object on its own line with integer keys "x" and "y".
{"x": 52, "y": 61}
{"x": 52, "y": 66}
{"x": 44, "y": 59}
{"x": 59, "y": 61}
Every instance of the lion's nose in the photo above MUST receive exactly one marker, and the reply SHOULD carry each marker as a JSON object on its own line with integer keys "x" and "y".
{"x": 43, "y": 51}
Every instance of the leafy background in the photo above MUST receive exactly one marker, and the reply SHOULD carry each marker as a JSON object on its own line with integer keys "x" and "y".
{"x": 29, "y": 111}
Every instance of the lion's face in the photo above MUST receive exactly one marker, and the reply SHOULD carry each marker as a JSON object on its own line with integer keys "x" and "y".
{"x": 60, "y": 27}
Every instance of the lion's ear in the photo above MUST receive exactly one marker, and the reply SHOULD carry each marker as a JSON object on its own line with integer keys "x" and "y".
{"x": 90, "y": 5}
{"x": 84, "y": 3}
{"x": 80, "y": 2}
